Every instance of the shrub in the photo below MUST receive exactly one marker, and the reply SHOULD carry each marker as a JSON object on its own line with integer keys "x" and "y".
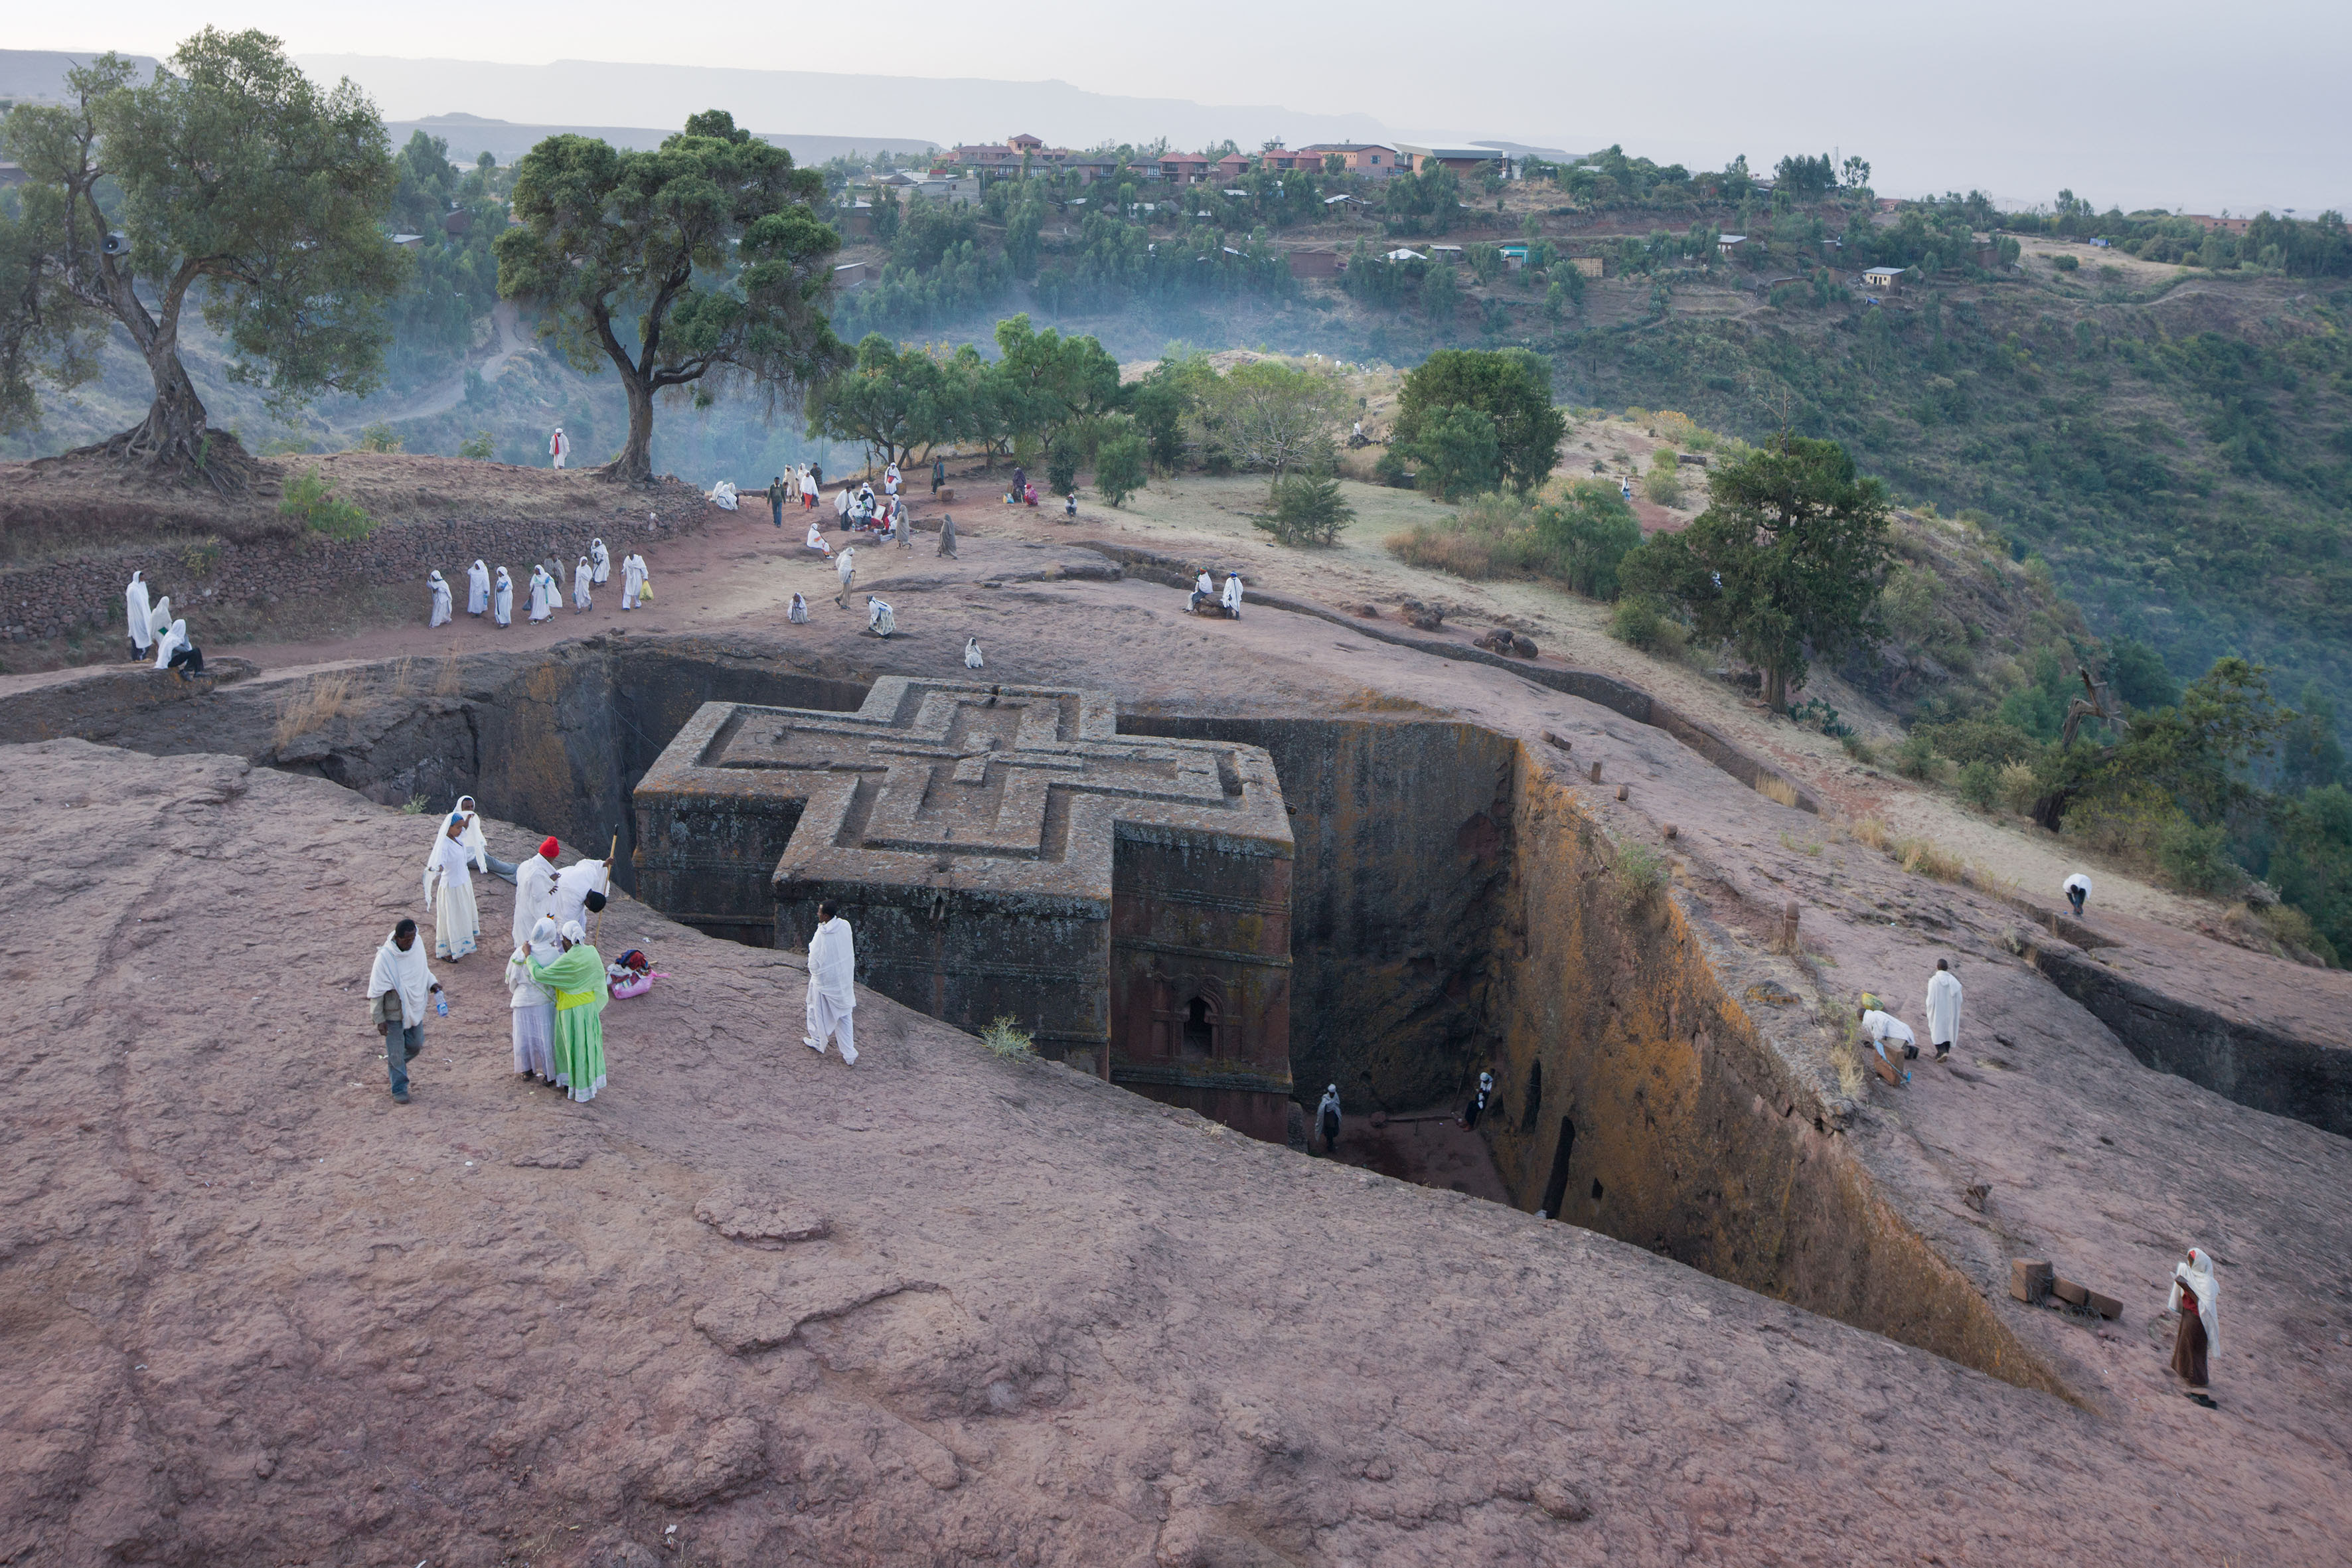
{"x": 1969, "y": 741}
{"x": 1664, "y": 482}
{"x": 1118, "y": 467}
{"x": 1915, "y": 757}
{"x": 379, "y": 437}
{"x": 1062, "y": 469}
{"x": 1585, "y": 538}
{"x": 2066, "y": 263}
{"x": 1860, "y": 750}
{"x": 1980, "y": 785}
{"x": 2197, "y": 858}
{"x": 2020, "y": 787}
{"x": 1776, "y": 789}
{"x": 1459, "y": 453}
{"x": 1640, "y": 622}
{"x": 1642, "y": 873}
{"x": 1006, "y": 1038}
{"x": 1307, "y": 511}
{"x": 311, "y": 497}
{"x": 477, "y": 447}
{"x": 1929, "y": 859}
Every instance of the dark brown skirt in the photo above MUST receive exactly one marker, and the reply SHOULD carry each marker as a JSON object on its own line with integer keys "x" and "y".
{"x": 2188, "y": 1350}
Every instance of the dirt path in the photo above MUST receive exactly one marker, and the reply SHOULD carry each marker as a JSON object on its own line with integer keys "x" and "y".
{"x": 506, "y": 343}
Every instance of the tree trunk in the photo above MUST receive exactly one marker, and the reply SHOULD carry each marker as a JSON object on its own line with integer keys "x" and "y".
{"x": 1776, "y": 690}
{"x": 635, "y": 464}
{"x": 171, "y": 440}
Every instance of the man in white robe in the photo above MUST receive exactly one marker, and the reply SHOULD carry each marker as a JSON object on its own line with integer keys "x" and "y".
{"x": 400, "y": 987}
{"x": 890, "y": 480}
{"x": 442, "y": 612}
{"x": 502, "y": 599}
{"x": 1204, "y": 593}
{"x": 543, "y": 594}
{"x": 478, "y": 589}
{"x": 582, "y": 576}
{"x": 816, "y": 540}
{"x": 141, "y": 615}
{"x": 449, "y": 895}
{"x": 832, "y": 986}
{"x": 633, "y": 578}
{"x": 1327, "y": 1119}
{"x": 581, "y": 890}
{"x": 972, "y": 654}
{"x": 534, "y": 889}
{"x": 844, "y": 567}
{"x": 559, "y": 446}
{"x": 1943, "y": 1009}
{"x": 1233, "y": 595}
{"x": 601, "y": 559}
{"x": 1878, "y": 1027}
{"x": 880, "y": 619}
{"x": 841, "y": 505}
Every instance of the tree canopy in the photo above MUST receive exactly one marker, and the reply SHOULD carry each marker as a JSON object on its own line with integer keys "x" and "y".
{"x": 233, "y": 180}
{"x": 1790, "y": 555}
{"x": 701, "y": 261}
{"x": 1275, "y": 415}
{"x": 1511, "y": 386}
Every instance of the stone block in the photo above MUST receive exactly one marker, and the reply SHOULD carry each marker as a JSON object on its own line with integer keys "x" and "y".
{"x": 2067, "y": 1291}
{"x": 2029, "y": 1280}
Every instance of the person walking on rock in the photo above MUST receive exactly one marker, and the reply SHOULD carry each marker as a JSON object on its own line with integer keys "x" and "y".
{"x": 2198, "y": 1338}
{"x": 832, "y": 984}
{"x": 632, "y": 579}
{"x": 478, "y": 589}
{"x": 1943, "y": 1009}
{"x": 2078, "y": 889}
{"x": 776, "y": 501}
{"x": 441, "y": 603}
{"x": 1327, "y": 1119}
{"x": 449, "y": 894}
{"x": 502, "y": 599}
{"x": 602, "y": 559}
{"x": 559, "y": 446}
{"x": 399, "y": 989}
{"x": 947, "y": 536}
{"x": 583, "y": 576}
{"x": 845, "y": 566}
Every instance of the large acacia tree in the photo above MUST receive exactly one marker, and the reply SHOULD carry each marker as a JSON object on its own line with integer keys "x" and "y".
{"x": 694, "y": 265}
{"x": 230, "y": 180}
{"x": 1510, "y": 386}
{"x": 1790, "y": 555}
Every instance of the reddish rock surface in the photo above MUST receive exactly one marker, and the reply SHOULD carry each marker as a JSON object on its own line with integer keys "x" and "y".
{"x": 946, "y": 1307}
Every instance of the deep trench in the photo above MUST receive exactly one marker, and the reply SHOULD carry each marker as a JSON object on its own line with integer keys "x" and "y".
{"x": 1452, "y": 911}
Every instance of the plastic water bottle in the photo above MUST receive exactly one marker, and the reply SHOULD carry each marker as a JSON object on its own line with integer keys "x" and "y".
{"x": 441, "y": 1002}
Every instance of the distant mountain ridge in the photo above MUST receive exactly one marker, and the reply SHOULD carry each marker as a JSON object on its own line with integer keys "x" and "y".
{"x": 471, "y": 135}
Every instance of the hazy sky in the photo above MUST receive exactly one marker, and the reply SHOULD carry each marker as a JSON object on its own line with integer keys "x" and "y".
{"x": 2157, "y": 103}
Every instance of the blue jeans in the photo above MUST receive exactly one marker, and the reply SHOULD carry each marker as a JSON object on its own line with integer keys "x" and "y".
{"x": 504, "y": 871}
{"x": 397, "y": 1056}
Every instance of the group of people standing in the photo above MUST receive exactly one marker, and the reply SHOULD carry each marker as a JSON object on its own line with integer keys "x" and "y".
{"x": 492, "y": 593}
{"x": 156, "y": 631}
{"x": 556, "y": 980}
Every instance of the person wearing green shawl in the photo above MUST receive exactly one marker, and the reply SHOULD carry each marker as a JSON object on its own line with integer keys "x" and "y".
{"x": 578, "y": 983}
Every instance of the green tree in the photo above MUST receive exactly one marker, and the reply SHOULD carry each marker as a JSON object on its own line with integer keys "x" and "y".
{"x": 1458, "y": 452}
{"x": 1118, "y": 467}
{"x": 1049, "y": 381}
{"x": 1789, "y": 557}
{"x": 887, "y": 401}
{"x": 701, "y": 262}
{"x": 1276, "y": 415}
{"x": 2140, "y": 677}
{"x": 1511, "y": 386}
{"x": 237, "y": 184}
{"x": 1440, "y": 294}
{"x": 1307, "y": 511}
{"x": 1588, "y": 534}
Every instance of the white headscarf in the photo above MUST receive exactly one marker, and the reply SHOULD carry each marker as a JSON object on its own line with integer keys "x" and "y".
{"x": 541, "y": 945}
{"x": 161, "y": 618}
{"x": 833, "y": 965}
{"x": 171, "y": 642}
{"x": 140, "y": 614}
{"x": 404, "y": 973}
{"x": 1330, "y": 1101}
{"x": 477, "y": 847}
{"x": 2198, "y": 1275}
{"x": 573, "y": 932}
{"x": 448, "y": 858}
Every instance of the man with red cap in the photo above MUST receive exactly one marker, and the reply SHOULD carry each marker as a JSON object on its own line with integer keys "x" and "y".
{"x": 534, "y": 889}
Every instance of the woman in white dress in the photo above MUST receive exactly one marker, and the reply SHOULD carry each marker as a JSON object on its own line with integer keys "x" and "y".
{"x": 632, "y": 579}
{"x": 533, "y": 1008}
{"x": 478, "y": 589}
{"x": 449, "y": 894}
{"x": 502, "y": 601}
{"x": 542, "y": 593}
{"x": 140, "y": 614}
{"x": 601, "y": 559}
{"x": 175, "y": 638}
{"x": 442, "y": 614}
{"x": 582, "y": 576}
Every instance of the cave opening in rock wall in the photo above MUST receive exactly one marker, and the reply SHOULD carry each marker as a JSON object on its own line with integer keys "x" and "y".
{"x": 1451, "y": 910}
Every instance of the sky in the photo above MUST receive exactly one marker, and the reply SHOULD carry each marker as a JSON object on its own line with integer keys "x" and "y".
{"x": 2154, "y": 103}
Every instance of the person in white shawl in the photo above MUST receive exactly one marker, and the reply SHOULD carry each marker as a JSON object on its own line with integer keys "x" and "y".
{"x": 400, "y": 988}
{"x": 973, "y": 657}
{"x": 845, "y": 566}
{"x": 175, "y": 638}
{"x": 832, "y": 986}
{"x": 478, "y": 589}
{"x": 816, "y": 540}
{"x": 797, "y": 612}
{"x": 532, "y": 1008}
{"x": 534, "y": 882}
{"x": 2195, "y": 1297}
{"x": 1204, "y": 594}
{"x": 581, "y": 890}
{"x": 632, "y": 579}
{"x": 502, "y": 600}
{"x": 159, "y": 616}
{"x": 582, "y": 576}
{"x": 1327, "y": 1119}
{"x": 477, "y": 847}
{"x": 442, "y": 612}
{"x": 141, "y": 615}
{"x": 601, "y": 559}
{"x": 449, "y": 895}
{"x": 542, "y": 593}
{"x": 1232, "y": 596}
{"x": 1943, "y": 1009}
{"x": 880, "y": 619}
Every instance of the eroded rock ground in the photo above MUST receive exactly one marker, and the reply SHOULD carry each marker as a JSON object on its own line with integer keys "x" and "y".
{"x": 256, "y": 1312}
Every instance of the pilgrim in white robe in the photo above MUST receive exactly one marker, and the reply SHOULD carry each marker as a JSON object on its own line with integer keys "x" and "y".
{"x": 601, "y": 559}
{"x": 1233, "y": 595}
{"x": 534, "y": 893}
{"x": 502, "y": 601}
{"x": 798, "y": 612}
{"x": 816, "y": 539}
{"x": 582, "y": 576}
{"x": 543, "y": 594}
{"x": 478, "y": 589}
{"x": 140, "y": 614}
{"x": 572, "y": 885}
{"x": 559, "y": 446}
{"x": 971, "y": 656}
{"x": 441, "y": 611}
{"x": 160, "y": 617}
{"x": 1204, "y": 594}
{"x": 1943, "y": 1010}
{"x": 841, "y": 505}
{"x": 449, "y": 894}
{"x": 880, "y": 619}
{"x": 2198, "y": 1338}
{"x": 406, "y": 973}
{"x": 633, "y": 578}
{"x": 532, "y": 1008}
{"x": 845, "y": 566}
{"x": 833, "y": 989}
{"x": 175, "y": 638}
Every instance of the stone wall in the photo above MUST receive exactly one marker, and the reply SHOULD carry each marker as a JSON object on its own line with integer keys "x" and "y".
{"x": 83, "y": 592}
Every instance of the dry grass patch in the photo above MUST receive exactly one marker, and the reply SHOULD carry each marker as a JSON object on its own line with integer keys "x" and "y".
{"x": 1775, "y": 788}
{"x": 314, "y": 704}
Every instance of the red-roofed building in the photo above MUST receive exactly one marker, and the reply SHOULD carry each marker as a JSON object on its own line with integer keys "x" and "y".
{"x": 1359, "y": 157}
{"x": 1231, "y": 167}
{"x": 1184, "y": 168}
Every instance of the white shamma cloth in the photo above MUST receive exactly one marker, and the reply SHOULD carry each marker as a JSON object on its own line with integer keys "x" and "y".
{"x": 833, "y": 989}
